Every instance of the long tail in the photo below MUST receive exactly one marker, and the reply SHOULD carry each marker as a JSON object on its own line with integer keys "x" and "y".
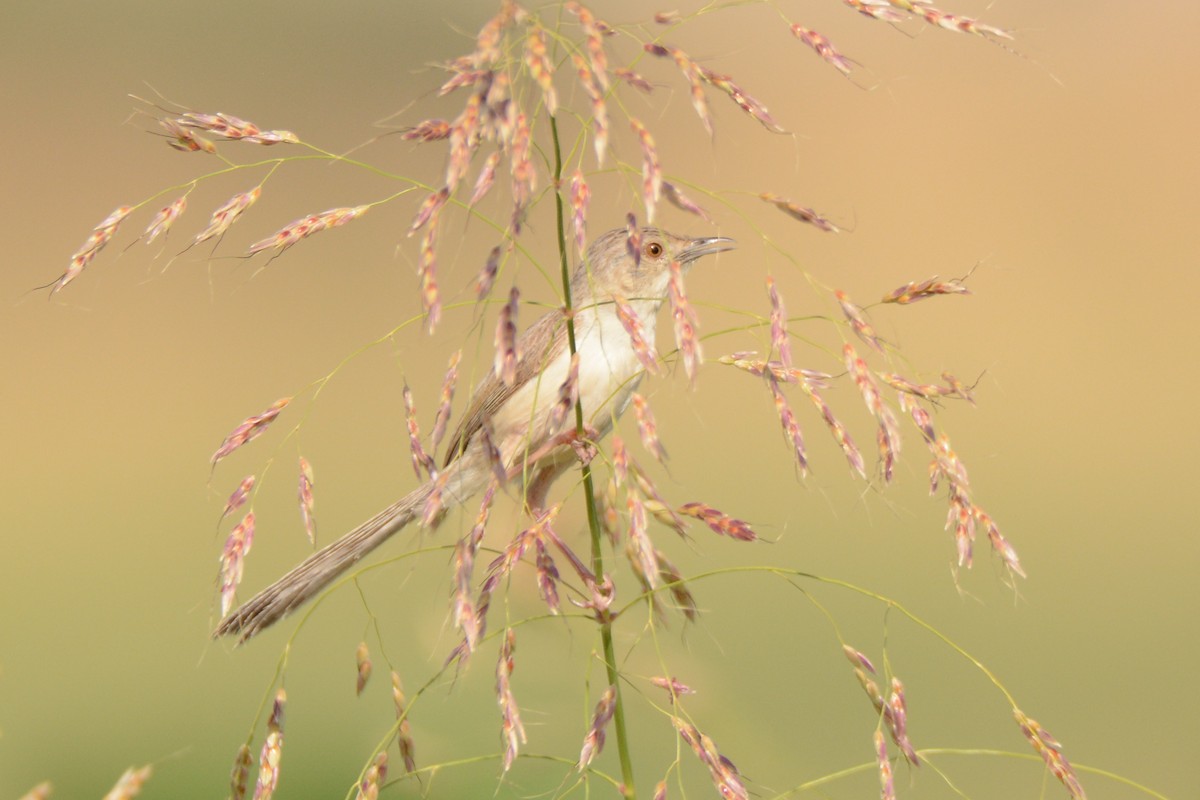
{"x": 318, "y": 570}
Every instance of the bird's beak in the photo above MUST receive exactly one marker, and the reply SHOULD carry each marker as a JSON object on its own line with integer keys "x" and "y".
{"x": 706, "y": 246}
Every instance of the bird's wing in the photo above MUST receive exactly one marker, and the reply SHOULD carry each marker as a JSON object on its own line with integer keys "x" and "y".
{"x": 538, "y": 345}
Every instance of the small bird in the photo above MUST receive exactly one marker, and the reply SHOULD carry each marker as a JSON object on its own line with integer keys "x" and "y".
{"x": 511, "y": 425}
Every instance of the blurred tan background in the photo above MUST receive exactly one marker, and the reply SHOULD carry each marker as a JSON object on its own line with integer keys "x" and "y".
{"x": 1068, "y": 172}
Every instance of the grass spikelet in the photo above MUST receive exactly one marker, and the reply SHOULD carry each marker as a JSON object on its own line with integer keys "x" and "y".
{"x": 568, "y": 393}
{"x": 639, "y": 547}
{"x": 431, "y": 301}
{"x": 677, "y": 198}
{"x": 724, "y": 774}
{"x": 463, "y": 78}
{"x": 594, "y": 42}
{"x": 538, "y": 64}
{"x": 1050, "y": 749}
{"x": 239, "y": 777}
{"x": 744, "y": 101}
{"x": 512, "y": 731}
{"x": 719, "y": 521}
{"x": 250, "y": 429}
{"x": 633, "y": 79}
{"x": 420, "y": 459}
{"x": 305, "y": 495}
{"x": 430, "y": 130}
{"x": 651, "y": 169}
{"x": 547, "y": 576}
{"x": 1000, "y": 544}
{"x": 233, "y": 556}
{"x": 822, "y": 47}
{"x": 858, "y": 322}
{"x": 164, "y": 219}
{"x": 632, "y": 324}
{"x": 442, "y": 417}
{"x": 238, "y": 498}
{"x": 887, "y": 782}
{"x": 858, "y": 658}
{"x": 362, "y": 664}
{"x": 581, "y": 195}
{"x": 840, "y": 434}
{"x": 40, "y": 792}
{"x": 487, "y": 275}
{"x": 633, "y": 239}
{"x": 958, "y": 388}
{"x": 791, "y": 428}
{"x": 648, "y": 428}
{"x": 599, "y": 110}
{"x": 465, "y": 551}
{"x": 913, "y": 291}
{"x": 408, "y": 749}
{"x": 464, "y": 138}
{"x": 272, "y": 751}
{"x": 875, "y": 10}
{"x": 487, "y": 175}
{"x": 375, "y": 775}
{"x": 673, "y": 687}
{"x": 593, "y": 742}
{"x": 304, "y": 227}
{"x": 954, "y": 22}
{"x": 898, "y": 719}
{"x": 227, "y": 126}
{"x": 673, "y": 579}
{"x": 129, "y": 785}
{"x": 802, "y": 213}
{"x": 685, "y": 320}
{"x": 620, "y": 463}
{"x": 228, "y": 214}
{"x": 691, "y": 72}
{"x": 100, "y": 236}
{"x": 505, "y": 340}
{"x": 780, "y": 342}
{"x": 429, "y": 208}
{"x": 524, "y": 176}
{"x": 184, "y": 140}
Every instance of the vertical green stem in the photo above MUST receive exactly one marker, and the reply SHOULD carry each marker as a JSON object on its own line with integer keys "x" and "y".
{"x": 589, "y": 489}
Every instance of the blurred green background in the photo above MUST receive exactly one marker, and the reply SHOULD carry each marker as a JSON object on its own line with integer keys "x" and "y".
{"x": 1067, "y": 171}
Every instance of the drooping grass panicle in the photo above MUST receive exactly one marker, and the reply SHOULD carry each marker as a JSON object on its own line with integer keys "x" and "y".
{"x": 802, "y": 213}
{"x": 685, "y": 320}
{"x": 305, "y": 496}
{"x": 228, "y": 214}
{"x": 580, "y": 197}
{"x": 233, "y": 558}
{"x": 1050, "y": 749}
{"x": 648, "y": 428}
{"x": 780, "y": 342}
{"x": 272, "y": 751}
{"x": 101, "y": 235}
{"x": 250, "y": 429}
{"x": 823, "y": 48}
{"x": 304, "y": 227}
{"x": 505, "y": 341}
{"x": 239, "y": 776}
{"x": 362, "y": 667}
{"x": 691, "y": 72}
{"x": 632, "y": 324}
{"x": 164, "y": 219}
{"x": 599, "y": 108}
{"x": 512, "y": 730}
{"x": 652, "y": 178}
{"x": 858, "y": 321}
{"x": 593, "y": 741}
{"x": 719, "y": 521}
{"x": 540, "y": 69}
{"x": 724, "y": 774}
{"x": 442, "y": 418}
{"x": 421, "y": 460}
{"x": 239, "y": 497}
{"x": 408, "y": 748}
{"x": 129, "y": 785}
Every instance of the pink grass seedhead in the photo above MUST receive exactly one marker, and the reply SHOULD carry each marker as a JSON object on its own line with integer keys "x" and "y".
{"x": 239, "y": 776}
{"x": 304, "y": 227}
{"x": 305, "y": 495}
{"x": 921, "y": 290}
{"x": 1050, "y": 749}
{"x": 101, "y": 235}
{"x": 676, "y": 197}
{"x": 164, "y": 219}
{"x": 719, "y": 521}
{"x": 272, "y": 751}
{"x": 430, "y": 130}
{"x": 511, "y": 730}
{"x": 408, "y": 749}
{"x": 634, "y": 79}
{"x": 595, "y": 92}
{"x": 802, "y": 213}
{"x": 652, "y": 179}
{"x": 632, "y": 324}
{"x": 233, "y": 558}
{"x": 228, "y": 214}
{"x": 684, "y": 317}
{"x": 362, "y": 667}
{"x": 593, "y": 742}
{"x": 858, "y": 322}
{"x": 505, "y": 340}
{"x": 823, "y": 48}
{"x": 239, "y": 497}
{"x": 421, "y": 460}
{"x": 129, "y": 785}
{"x": 250, "y": 429}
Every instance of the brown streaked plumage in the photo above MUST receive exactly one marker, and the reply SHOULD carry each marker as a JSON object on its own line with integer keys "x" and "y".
{"x": 516, "y": 419}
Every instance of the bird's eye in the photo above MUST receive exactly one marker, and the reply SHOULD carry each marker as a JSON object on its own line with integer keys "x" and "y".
{"x": 654, "y": 249}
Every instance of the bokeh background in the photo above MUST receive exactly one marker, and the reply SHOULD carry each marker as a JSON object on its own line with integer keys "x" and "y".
{"x": 1065, "y": 170}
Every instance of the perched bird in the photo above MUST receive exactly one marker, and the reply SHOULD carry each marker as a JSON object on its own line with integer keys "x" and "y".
{"x": 510, "y": 425}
